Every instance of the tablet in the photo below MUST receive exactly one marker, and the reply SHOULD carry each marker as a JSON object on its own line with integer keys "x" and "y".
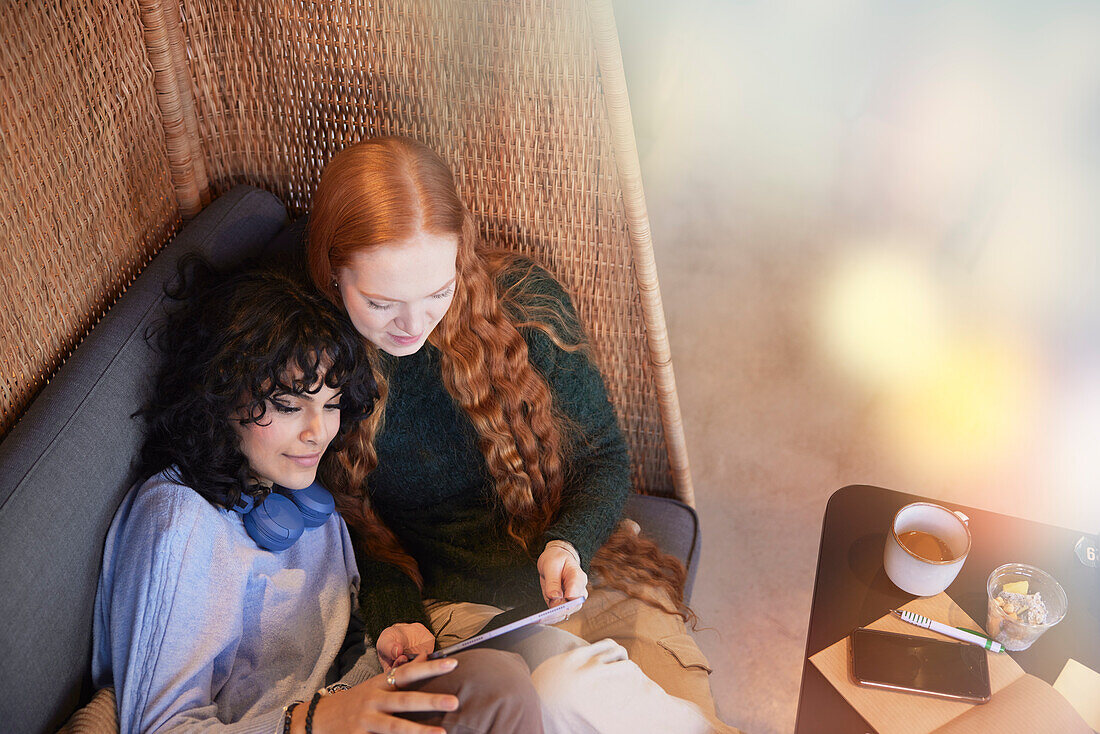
{"x": 512, "y": 620}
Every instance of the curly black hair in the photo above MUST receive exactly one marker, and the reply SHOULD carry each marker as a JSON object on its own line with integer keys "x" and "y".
{"x": 230, "y": 346}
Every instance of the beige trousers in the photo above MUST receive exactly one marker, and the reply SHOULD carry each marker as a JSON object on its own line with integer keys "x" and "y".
{"x": 643, "y": 660}
{"x": 654, "y": 639}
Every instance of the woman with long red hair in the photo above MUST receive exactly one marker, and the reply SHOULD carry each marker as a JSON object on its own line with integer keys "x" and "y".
{"x": 493, "y": 471}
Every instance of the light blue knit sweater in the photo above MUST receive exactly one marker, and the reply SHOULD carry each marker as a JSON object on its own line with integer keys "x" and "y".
{"x": 198, "y": 628}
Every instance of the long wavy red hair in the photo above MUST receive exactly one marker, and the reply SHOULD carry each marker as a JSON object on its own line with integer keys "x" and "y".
{"x": 383, "y": 191}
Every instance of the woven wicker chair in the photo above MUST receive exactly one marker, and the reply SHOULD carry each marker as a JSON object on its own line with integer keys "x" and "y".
{"x": 121, "y": 121}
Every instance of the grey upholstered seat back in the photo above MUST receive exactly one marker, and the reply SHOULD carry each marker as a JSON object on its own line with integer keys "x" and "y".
{"x": 66, "y": 464}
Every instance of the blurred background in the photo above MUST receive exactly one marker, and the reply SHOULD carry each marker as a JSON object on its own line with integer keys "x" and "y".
{"x": 876, "y": 226}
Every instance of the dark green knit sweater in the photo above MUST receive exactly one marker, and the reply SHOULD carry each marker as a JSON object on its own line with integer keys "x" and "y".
{"x": 433, "y": 490}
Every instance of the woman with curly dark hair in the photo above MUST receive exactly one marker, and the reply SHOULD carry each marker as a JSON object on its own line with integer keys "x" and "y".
{"x": 229, "y": 587}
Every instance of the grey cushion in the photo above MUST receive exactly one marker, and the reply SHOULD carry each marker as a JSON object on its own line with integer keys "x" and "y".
{"x": 673, "y": 526}
{"x": 66, "y": 465}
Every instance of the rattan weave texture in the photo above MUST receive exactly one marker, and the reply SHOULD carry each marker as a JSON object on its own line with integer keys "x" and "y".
{"x": 513, "y": 93}
{"x": 85, "y": 193}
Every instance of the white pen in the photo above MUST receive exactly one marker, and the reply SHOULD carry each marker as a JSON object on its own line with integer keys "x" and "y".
{"x": 955, "y": 632}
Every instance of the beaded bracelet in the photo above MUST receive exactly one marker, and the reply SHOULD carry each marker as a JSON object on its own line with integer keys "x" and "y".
{"x": 309, "y": 712}
{"x": 288, "y": 711}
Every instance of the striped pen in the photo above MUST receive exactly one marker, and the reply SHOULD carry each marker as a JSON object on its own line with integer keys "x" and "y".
{"x": 954, "y": 632}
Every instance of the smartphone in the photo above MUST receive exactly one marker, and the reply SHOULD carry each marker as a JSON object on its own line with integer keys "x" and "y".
{"x": 512, "y": 620}
{"x": 915, "y": 664}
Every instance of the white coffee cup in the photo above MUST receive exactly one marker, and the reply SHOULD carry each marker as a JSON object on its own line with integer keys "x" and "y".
{"x": 915, "y": 573}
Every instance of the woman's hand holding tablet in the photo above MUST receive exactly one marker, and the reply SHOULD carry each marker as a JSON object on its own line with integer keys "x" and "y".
{"x": 512, "y": 620}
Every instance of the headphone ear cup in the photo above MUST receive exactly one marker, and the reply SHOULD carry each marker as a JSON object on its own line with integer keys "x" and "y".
{"x": 275, "y": 524}
{"x": 314, "y": 502}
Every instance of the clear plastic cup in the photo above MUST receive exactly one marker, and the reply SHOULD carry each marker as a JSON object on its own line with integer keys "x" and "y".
{"x": 1017, "y": 634}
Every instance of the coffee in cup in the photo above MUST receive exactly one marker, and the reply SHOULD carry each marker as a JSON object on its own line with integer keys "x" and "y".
{"x": 925, "y": 548}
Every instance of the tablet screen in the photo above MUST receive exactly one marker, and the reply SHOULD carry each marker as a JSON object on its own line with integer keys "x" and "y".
{"x": 511, "y": 620}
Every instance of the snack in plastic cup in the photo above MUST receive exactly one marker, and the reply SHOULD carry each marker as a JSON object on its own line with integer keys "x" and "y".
{"x": 1024, "y": 602}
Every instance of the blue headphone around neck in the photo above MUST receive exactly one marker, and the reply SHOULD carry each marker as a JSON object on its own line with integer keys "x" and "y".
{"x": 281, "y": 518}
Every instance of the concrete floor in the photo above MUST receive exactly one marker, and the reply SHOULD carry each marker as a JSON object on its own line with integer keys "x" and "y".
{"x": 763, "y": 157}
{"x": 770, "y": 436}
